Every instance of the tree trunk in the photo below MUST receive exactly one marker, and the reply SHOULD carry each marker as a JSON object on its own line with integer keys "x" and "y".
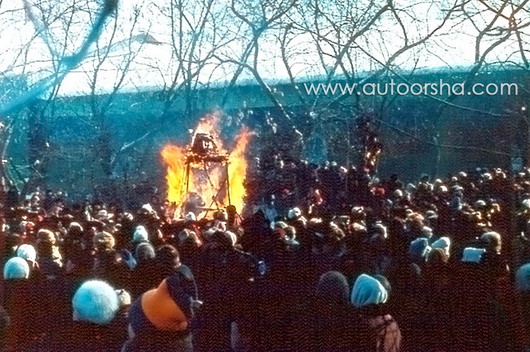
{"x": 3, "y": 140}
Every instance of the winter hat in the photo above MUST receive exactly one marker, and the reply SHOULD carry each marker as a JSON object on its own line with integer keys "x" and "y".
{"x": 102, "y": 215}
{"x": 224, "y": 239}
{"x": 381, "y": 230}
{"x": 104, "y": 241}
{"x": 480, "y": 204}
{"x": 140, "y": 234}
{"x": 522, "y": 278}
{"x": 147, "y": 208}
{"x": 145, "y": 251}
{"x": 16, "y": 268}
{"x": 472, "y": 255}
{"x": 95, "y": 302}
{"x": 419, "y": 248}
{"x": 27, "y": 251}
{"x": 46, "y": 236}
{"x": 169, "y": 307}
{"x": 398, "y": 193}
{"x": 294, "y": 213}
{"x": 492, "y": 240}
{"x": 333, "y": 288}
{"x": 444, "y": 243}
{"x": 22, "y": 226}
{"x": 367, "y": 291}
{"x": 209, "y": 234}
{"x": 75, "y": 225}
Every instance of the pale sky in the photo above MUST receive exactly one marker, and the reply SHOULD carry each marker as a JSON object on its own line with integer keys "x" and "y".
{"x": 155, "y": 64}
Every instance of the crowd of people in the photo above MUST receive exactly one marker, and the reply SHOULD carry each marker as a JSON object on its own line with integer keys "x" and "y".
{"x": 324, "y": 258}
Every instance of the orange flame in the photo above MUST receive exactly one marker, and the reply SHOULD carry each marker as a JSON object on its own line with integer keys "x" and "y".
{"x": 208, "y": 179}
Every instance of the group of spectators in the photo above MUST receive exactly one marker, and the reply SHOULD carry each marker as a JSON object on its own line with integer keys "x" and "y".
{"x": 325, "y": 258}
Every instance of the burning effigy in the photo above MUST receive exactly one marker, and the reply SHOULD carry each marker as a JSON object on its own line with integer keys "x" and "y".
{"x": 203, "y": 176}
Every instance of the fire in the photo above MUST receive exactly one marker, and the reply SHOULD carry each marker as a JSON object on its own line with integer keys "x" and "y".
{"x": 207, "y": 179}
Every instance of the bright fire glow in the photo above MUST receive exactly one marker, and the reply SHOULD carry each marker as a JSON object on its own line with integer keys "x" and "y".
{"x": 208, "y": 179}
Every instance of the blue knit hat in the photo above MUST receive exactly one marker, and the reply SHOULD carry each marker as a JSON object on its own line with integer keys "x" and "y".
{"x": 16, "y": 268}
{"x": 419, "y": 248}
{"x": 368, "y": 291}
{"x": 96, "y": 302}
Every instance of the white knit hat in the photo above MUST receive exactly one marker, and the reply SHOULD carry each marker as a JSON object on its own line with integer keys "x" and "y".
{"x": 27, "y": 251}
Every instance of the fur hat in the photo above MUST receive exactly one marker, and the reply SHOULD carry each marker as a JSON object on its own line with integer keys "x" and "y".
{"x": 367, "y": 291}
{"x": 27, "y": 251}
{"x": 522, "y": 278}
{"x": 472, "y": 255}
{"x": 96, "y": 302}
{"x": 104, "y": 241}
{"x": 444, "y": 243}
{"x": 140, "y": 234}
{"x": 16, "y": 268}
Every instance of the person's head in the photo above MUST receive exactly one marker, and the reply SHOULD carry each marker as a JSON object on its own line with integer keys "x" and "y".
{"x": 294, "y": 213}
{"x": 140, "y": 234}
{"x": 190, "y": 217}
{"x": 522, "y": 278}
{"x": 444, "y": 243}
{"x": 168, "y": 257}
{"x": 333, "y": 288}
{"x": 45, "y": 240}
{"x": 144, "y": 252}
{"x": 492, "y": 242}
{"x": 437, "y": 256}
{"x": 225, "y": 239}
{"x": 418, "y": 249}
{"x": 27, "y": 252}
{"x": 16, "y": 268}
{"x": 104, "y": 242}
{"x": 95, "y": 302}
{"x": 368, "y": 291}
